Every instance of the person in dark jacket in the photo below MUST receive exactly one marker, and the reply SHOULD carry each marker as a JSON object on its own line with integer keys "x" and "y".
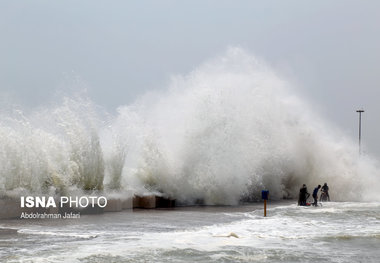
{"x": 325, "y": 193}
{"x": 315, "y": 195}
{"x": 303, "y": 195}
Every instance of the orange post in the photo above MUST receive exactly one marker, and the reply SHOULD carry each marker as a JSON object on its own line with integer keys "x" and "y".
{"x": 265, "y": 207}
{"x": 265, "y": 195}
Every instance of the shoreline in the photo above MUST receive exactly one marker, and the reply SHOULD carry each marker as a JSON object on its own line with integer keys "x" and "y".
{"x": 16, "y": 213}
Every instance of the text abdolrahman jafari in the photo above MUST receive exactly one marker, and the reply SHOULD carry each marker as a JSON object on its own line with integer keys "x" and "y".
{"x": 78, "y": 202}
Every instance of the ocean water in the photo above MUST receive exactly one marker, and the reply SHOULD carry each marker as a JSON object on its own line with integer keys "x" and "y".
{"x": 333, "y": 232}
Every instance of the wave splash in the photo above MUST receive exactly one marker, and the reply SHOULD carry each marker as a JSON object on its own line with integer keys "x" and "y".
{"x": 219, "y": 134}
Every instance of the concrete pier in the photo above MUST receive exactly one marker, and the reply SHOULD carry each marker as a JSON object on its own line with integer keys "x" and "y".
{"x": 113, "y": 205}
{"x": 11, "y": 207}
{"x": 162, "y": 202}
{"x": 127, "y": 203}
{"x": 152, "y": 201}
{"x": 89, "y": 210}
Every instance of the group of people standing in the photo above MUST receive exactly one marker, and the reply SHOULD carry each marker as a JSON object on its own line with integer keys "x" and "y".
{"x": 304, "y": 195}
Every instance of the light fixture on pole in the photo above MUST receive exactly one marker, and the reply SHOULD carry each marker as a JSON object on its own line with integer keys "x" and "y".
{"x": 360, "y": 128}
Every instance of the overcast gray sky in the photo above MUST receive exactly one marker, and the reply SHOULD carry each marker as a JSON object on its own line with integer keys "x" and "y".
{"x": 120, "y": 49}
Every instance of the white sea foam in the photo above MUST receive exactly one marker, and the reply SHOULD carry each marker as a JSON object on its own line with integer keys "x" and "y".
{"x": 339, "y": 231}
{"x": 56, "y": 233}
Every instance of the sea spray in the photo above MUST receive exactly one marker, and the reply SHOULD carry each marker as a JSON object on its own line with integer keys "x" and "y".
{"x": 115, "y": 151}
{"x": 231, "y": 128}
{"x": 219, "y": 134}
{"x": 51, "y": 149}
{"x": 28, "y": 155}
{"x": 78, "y": 121}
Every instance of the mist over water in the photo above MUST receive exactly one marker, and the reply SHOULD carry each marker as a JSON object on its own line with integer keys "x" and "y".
{"x": 221, "y": 133}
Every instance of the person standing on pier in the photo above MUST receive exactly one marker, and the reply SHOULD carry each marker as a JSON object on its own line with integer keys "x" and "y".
{"x": 325, "y": 193}
{"x": 303, "y": 195}
{"x": 315, "y": 195}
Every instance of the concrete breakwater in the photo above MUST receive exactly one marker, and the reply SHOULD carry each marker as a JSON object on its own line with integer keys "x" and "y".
{"x": 10, "y": 208}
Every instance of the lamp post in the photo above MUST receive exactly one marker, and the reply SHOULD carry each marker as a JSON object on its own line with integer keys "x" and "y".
{"x": 360, "y": 128}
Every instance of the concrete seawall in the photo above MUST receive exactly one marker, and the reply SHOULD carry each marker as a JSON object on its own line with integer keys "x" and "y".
{"x": 10, "y": 208}
{"x": 152, "y": 201}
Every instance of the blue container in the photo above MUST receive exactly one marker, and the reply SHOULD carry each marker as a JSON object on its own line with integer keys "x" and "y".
{"x": 265, "y": 194}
